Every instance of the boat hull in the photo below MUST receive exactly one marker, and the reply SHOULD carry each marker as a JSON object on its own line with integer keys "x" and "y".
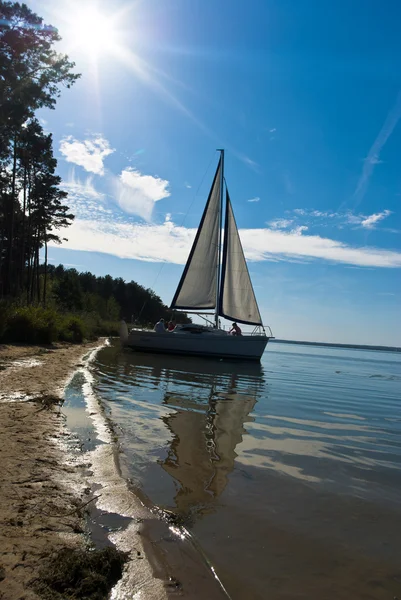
{"x": 244, "y": 347}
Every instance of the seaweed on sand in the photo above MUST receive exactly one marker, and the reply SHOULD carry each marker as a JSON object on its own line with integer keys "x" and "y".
{"x": 72, "y": 574}
{"x": 48, "y": 401}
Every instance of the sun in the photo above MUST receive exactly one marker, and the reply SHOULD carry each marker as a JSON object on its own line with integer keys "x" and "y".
{"x": 93, "y": 31}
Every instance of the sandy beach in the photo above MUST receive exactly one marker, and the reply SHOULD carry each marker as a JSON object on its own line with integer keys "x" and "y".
{"x": 41, "y": 490}
{"x": 45, "y": 490}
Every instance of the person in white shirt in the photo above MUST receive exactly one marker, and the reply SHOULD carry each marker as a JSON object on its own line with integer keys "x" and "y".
{"x": 159, "y": 327}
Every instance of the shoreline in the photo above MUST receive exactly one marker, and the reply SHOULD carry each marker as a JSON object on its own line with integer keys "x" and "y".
{"x": 42, "y": 490}
{"x": 48, "y": 489}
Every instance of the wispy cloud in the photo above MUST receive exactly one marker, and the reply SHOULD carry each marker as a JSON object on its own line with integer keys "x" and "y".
{"x": 82, "y": 188}
{"x": 287, "y": 182}
{"x": 299, "y": 229}
{"x": 272, "y": 130}
{"x": 256, "y": 199}
{"x": 336, "y": 219}
{"x": 187, "y": 185}
{"x": 280, "y": 223}
{"x": 84, "y": 200}
{"x": 170, "y": 243}
{"x": 137, "y": 193}
{"x": 371, "y": 220}
{"x": 89, "y": 153}
{"x": 246, "y": 160}
{"x": 373, "y": 157}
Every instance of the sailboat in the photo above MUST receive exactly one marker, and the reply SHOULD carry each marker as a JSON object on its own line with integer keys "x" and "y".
{"x": 212, "y": 281}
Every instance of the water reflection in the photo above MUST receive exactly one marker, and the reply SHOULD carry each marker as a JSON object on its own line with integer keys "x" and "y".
{"x": 202, "y": 450}
{"x": 211, "y": 404}
{"x": 204, "y": 407}
{"x": 185, "y": 420}
{"x": 293, "y": 477}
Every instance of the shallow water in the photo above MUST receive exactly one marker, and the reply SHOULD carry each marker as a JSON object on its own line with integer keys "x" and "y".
{"x": 288, "y": 472}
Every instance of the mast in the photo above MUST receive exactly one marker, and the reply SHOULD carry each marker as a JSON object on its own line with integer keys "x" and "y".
{"x": 218, "y": 267}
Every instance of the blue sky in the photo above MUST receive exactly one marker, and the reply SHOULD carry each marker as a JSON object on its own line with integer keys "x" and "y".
{"x": 305, "y": 96}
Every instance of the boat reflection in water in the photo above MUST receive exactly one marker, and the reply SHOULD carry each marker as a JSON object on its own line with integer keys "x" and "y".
{"x": 182, "y": 419}
{"x": 211, "y": 404}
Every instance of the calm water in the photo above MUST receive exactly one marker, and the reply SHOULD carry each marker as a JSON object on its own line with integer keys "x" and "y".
{"x": 288, "y": 473}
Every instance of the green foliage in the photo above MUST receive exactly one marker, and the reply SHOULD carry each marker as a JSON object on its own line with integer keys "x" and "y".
{"x": 73, "y": 329}
{"x": 32, "y": 325}
{"x": 36, "y": 325}
{"x": 5, "y": 310}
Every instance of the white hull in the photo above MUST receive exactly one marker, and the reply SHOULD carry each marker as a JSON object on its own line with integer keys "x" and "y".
{"x": 213, "y": 344}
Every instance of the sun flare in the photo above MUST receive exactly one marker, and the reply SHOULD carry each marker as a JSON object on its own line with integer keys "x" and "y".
{"x": 93, "y": 31}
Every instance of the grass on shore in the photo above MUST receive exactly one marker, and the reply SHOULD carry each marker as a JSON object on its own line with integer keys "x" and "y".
{"x": 38, "y": 325}
{"x": 73, "y": 574}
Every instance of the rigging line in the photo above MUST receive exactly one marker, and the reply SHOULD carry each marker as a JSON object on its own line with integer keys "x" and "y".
{"x": 181, "y": 225}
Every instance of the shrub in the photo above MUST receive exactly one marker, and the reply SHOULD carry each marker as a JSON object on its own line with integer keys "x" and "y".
{"x": 73, "y": 329}
{"x": 37, "y": 325}
{"x": 5, "y": 310}
{"x": 31, "y": 324}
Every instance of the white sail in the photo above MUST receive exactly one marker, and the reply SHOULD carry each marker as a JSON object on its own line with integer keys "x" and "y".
{"x": 197, "y": 287}
{"x": 237, "y": 299}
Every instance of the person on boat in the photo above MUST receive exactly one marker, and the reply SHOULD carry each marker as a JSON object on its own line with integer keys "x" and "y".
{"x": 171, "y": 325}
{"x": 235, "y": 330}
{"x": 160, "y": 327}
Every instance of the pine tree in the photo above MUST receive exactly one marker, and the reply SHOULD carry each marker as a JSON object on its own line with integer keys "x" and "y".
{"x": 31, "y": 74}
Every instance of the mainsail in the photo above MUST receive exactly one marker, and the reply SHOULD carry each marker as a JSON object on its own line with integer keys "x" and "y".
{"x": 198, "y": 285}
{"x": 237, "y": 299}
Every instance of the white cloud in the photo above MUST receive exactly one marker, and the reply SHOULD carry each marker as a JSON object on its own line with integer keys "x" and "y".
{"x": 256, "y": 199}
{"x": 366, "y": 221}
{"x": 168, "y": 242}
{"x": 338, "y": 219}
{"x": 137, "y": 193}
{"x": 322, "y": 214}
{"x": 299, "y": 229}
{"x": 88, "y": 154}
{"x": 84, "y": 200}
{"x": 187, "y": 185}
{"x": 272, "y": 130}
{"x": 75, "y": 186}
{"x": 280, "y": 223}
{"x": 371, "y": 220}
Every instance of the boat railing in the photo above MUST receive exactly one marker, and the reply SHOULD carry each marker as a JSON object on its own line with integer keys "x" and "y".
{"x": 261, "y": 330}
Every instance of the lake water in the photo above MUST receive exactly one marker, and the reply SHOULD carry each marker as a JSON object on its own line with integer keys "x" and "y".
{"x": 288, "y": 473}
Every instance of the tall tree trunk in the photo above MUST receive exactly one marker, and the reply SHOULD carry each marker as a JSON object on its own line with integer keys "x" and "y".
{"x": 9, "y": 285}
{"x": 37, "y": 269}
{"x": 45, "y": 275}
{"x": 23, "y": 233}
{"x": 32, "y": 286}
{"x": 29, "y": 240}
{"x": 29, "y": 279}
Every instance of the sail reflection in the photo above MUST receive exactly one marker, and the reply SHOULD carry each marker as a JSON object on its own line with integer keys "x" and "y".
{"x": 207, "y": 423}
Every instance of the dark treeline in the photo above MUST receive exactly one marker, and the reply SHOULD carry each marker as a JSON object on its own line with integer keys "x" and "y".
{"x": 110, "y": 299}
{"x": 32, "y": 205}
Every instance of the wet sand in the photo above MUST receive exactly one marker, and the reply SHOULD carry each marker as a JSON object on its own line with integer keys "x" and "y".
{"x": 44, "y": 487}
{"x": 41, "y": 488}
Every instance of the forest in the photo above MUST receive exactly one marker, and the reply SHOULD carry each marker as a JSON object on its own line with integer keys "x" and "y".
{"x": 39, "y": 302}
